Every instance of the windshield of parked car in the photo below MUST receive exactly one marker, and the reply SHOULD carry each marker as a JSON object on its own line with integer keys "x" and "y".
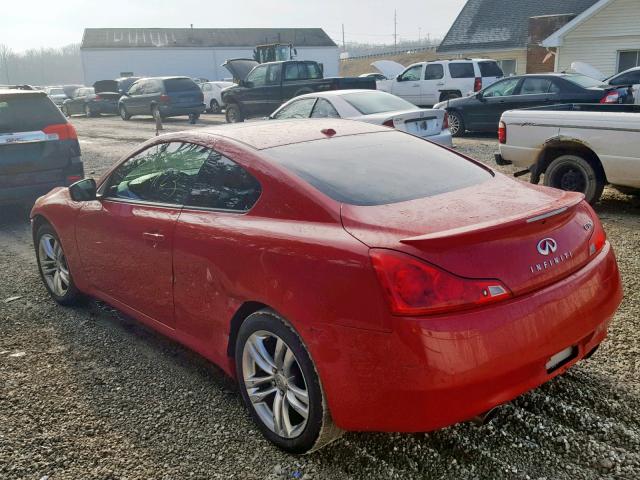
{"x": 584, "y": 81}
{"x": 378, "y": 168}
{"x": 368, "y": 103}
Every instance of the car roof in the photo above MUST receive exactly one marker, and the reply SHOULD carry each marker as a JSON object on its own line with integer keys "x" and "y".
{"x": 10, "y": 93}
{"x": 265, "y": 134}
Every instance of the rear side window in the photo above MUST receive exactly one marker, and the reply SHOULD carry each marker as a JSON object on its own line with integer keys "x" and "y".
{"x": 222, "y": 184}
{"x": 434, "y": 71}
{"x": 490, "y": 69}
{"x": 180, "y": 85}
{"x": 383, "y": 168}
{"x": 302, "y": 71}
{"x": 28, "y": 113}
{"x": 461, "y": 70}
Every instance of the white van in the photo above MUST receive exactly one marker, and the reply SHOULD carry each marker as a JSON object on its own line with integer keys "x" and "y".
{"x": 427, "y": 83}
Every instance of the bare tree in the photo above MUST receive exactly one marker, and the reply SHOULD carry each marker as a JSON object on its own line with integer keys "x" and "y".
{"x": 5, "y": 53}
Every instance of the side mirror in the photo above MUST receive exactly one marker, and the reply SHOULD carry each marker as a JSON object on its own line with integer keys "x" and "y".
{"x": 247, "y": 84}
{"x": 399, "y": 78}
{"x": 480, "y": 96}
{"x": 83, "y": 190}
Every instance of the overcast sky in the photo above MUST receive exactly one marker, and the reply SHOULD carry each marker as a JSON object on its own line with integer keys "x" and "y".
{"x": 37, "y": 23}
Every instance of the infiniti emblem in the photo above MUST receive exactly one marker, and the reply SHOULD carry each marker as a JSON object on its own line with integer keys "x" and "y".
{"x": 547, "y": 246}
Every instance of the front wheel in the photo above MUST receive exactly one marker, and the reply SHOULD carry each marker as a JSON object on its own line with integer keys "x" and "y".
{"x": 456, "y": 124}
{"x": 280, "y": 385}
{"x": 575, "y": 174}
{"x": 53, "y": 267}
{"x": 123, "y": 113}
{"x": 214, "y": 106}
{"x": 233, "y": 114}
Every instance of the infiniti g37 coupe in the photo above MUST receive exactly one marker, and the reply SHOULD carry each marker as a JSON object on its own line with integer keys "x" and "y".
{"x": 350, "y": 276}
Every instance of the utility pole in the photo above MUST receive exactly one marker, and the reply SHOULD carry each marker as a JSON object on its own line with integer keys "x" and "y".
{"x": 344, "y": 47}
{"x": 395, "y": 31}
{"x": 419, "y": 34}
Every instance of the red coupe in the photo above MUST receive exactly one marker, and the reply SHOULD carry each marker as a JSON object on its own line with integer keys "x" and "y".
{"x": 350, "y": 276}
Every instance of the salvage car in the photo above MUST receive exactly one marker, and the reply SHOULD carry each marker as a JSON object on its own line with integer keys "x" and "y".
{"x": 56, "y": 94}
{"x": 578, "y": 148}
{"x": 264, "y": 87}
{"x": 427, "y": 83}
{"x": 213, "y": 95}
{"x": 39, "y": 148}
{"x": 370, "y": 106}
{"x": 629, "y": 78}
{"x": 481, "y": 112}
{"x": 348, "y": 275}
{"x": 162, "y": 97}
{"x": 102, "y": 98}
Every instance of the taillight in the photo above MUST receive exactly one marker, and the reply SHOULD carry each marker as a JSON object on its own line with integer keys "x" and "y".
{"x": 502, "y": 132}
{"x": 610, "y": 97}
{"x": 73, "y": 179}
{"x": 164, "y": 98}
{"x": 388, "y": 123}
{"x": 414, "y": 287}
{"x": 598, "y": 238}
{"x": 97, "y": 97}
{"x": 477, "y": 85}
{"x": 445, "y": 122}
{"x": 61, "y": 131}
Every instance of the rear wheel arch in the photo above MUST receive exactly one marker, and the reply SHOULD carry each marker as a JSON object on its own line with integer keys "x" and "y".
{"x": 37, "y": 221}
{"x": 246, "y": 309}
{"x": 449, "y": 94}
{"x": 570, "y": 147}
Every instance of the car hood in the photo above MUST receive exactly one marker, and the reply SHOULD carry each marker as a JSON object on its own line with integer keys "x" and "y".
{"x": 389, "y": 68}
{"x": 588, "y": 70}
{"x": 490, "y": 230}
{"x": 106, "y": 86}
{"x": 240, "y": 67}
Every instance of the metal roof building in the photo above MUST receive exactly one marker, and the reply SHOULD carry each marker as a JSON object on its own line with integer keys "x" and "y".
{"x": 196, "y": 52}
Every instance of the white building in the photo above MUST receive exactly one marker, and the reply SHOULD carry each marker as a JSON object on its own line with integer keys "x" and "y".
{"x": 109, "y": 53}
{"x": 607, "y": 36}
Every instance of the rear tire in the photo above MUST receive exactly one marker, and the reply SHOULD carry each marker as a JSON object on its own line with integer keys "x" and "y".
{"x": 288, "y": 384}
{"x": 53, "y": 268}
{"x": 456, "y": 124}
{"x": 233, "y": 113}
{"x": 214, "y": 106}
{"x": 123, "y": 113}
{"x": 575, "y": 174}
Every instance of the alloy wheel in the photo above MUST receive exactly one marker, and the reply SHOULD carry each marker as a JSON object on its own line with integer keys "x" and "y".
{"x": 454, "y": 124}
{"x": 275, "y": 384}
{"x": 53, "y": 265}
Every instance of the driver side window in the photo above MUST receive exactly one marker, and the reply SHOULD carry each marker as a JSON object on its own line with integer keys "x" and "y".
{"x": 412, "y": 74}
{"x": 258, "y": 76}
{"x": 163, "y": 173}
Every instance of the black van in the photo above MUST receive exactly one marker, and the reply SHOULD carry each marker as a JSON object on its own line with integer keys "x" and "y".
{"x": 39, "y": 148}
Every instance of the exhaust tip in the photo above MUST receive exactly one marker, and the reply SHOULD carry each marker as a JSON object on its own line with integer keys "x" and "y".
{"x": 486, "y": 417}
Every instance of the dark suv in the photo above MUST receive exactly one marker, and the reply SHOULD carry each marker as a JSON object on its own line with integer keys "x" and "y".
{"x": 163, "y": 97}
{"x": 39, "y": 149}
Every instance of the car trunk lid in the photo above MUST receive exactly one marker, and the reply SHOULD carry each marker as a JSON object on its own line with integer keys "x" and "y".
{"x": 422, "y": 123}
{"x": 524, "y": 236}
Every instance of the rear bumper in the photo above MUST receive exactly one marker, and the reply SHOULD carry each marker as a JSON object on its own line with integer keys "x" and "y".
{"x": 443, "y": 138}
{"x": 25, "y": 188}
{"x": 433, "y": 372}
{"x": 104, "y": 107}
{"x": 174, "y": 111}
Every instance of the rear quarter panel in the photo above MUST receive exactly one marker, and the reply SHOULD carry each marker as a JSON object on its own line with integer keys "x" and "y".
{"x": 526, "y": 137}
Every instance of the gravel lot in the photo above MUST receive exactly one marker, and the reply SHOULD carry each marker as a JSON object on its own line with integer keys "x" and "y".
{"x": 86, "y": 393}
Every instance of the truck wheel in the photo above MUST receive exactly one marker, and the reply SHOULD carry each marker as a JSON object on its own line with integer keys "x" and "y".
{"x": 456, "y": 124}
{"x": 214, "y": 106}
{"x": 444, "y": 96}
{"x": 575, "y": 174}
{"x": 233, "y": 113}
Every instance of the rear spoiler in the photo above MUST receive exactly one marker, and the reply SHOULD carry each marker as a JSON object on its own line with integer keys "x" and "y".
{"x": 455, "y": 235}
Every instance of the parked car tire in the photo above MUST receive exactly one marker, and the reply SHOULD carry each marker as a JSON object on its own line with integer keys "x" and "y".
{"x": 456, "y": 124}
{"x": 214, "y": 106}
{"x": 233, "y": 114}
{"x": 53, "y": 267}
{"x": 123, "y": 113}
{"x": 276, "y": 374}
{"x": 88, "y": 112}
{"x": 574, "y": 173}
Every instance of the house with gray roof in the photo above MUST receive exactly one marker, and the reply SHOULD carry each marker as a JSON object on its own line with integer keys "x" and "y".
{"x": 510, "y": 31}
{"x": 109, "y": 53}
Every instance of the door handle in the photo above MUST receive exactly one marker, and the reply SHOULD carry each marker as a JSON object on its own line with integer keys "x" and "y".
{"x": 440, "y": 84}
{"x": 155, "y": 238}
{"x": 416, "y": 85}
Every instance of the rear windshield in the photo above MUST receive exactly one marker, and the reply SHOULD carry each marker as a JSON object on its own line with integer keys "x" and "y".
{"x": 584, "y": 81}
{"x": 368, "y": 103}
{"x": 378, "y": 168}
{"x": 461, "y": 70}
{"x": 28, "y": 114}
{"x": 490, "y": 69}
{"x": 180, "y": 85}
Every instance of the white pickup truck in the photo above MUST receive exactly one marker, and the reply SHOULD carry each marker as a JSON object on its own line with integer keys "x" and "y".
{"x": 578, "y": 147}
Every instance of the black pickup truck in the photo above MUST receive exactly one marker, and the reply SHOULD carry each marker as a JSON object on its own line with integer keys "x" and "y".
{"x": 263, "y": 87}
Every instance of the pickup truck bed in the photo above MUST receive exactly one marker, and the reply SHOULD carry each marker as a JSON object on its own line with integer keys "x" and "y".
{"x": 579, "y": 147}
